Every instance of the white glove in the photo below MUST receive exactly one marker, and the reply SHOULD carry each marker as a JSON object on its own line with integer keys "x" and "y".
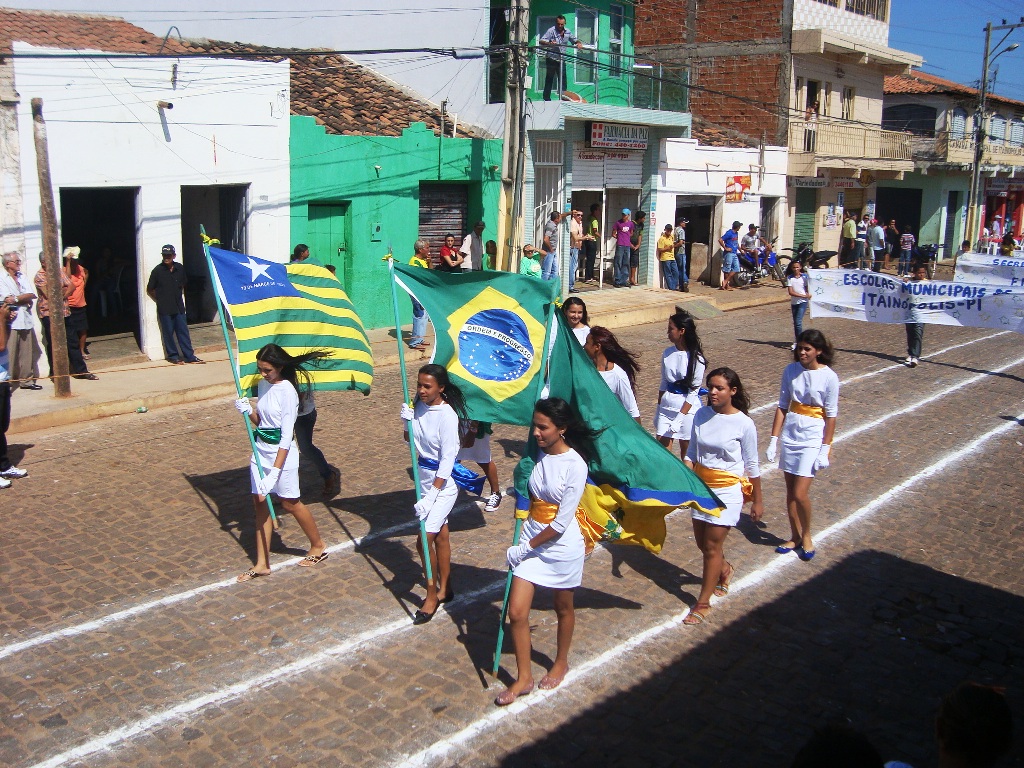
{"x": 822, "y": 461}
{"x": 243, "y": 405}
{"x": 516, "y": 555}
{"x": 407, "y": 414}
{"x": 773, "y": 449}
{"x": 424, "y": 505}
{"x": 677, "y": 422}
{"x": 265, "y": 485}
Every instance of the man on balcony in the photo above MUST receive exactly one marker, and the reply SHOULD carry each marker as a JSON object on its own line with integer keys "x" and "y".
{"x": 555, "y": 40}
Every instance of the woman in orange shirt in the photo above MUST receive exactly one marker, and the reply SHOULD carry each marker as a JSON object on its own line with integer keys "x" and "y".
{"x": 76, "y": 324}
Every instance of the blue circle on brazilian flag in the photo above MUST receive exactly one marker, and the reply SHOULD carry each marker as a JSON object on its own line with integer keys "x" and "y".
{"x": 494, "y": 345}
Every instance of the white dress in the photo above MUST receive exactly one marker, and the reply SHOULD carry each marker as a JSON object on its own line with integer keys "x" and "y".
{"x": 435, "y": 430}
{"x": 581, "y": 332}
{"x": 479, "y": 451}
{"x": 618, "y": 382}
{"x": 278, "y": 406}
{"x": 558, "y": 564}
{"x": 727, "y": 442}
{"x": 673, "y": 369}
{"x": 802, "y": 436}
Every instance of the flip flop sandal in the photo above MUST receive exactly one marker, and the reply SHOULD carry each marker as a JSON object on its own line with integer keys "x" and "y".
{"x": 249, "y": 576}
{"x": 697, "y": 615}
{"x": 310, "y": 560}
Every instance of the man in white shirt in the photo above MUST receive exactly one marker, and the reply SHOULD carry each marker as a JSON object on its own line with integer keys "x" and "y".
{"x": 996, "y": 227}
{"x": 7, "y": 470}
{"x": 23, "y": 346}
{"x": 472, "y": 248}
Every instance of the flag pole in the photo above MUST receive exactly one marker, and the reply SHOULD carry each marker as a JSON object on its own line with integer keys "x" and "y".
{"x": 405, "y": 393}
{"x": 519, "y": 520}
{"x": 234, "y": 368}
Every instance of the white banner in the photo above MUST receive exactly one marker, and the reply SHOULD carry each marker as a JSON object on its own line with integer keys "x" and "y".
{"x": 876, "y": 298}
{"x": 984, "y": 269}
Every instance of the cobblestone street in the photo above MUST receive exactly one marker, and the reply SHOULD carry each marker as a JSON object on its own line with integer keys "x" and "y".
{"x": 124, "y": 639}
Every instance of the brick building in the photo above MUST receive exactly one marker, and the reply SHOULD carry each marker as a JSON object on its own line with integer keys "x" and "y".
{"x": 806, "y": 74}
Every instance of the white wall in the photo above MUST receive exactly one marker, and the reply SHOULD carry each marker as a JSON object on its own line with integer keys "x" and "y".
{"x": 810, "y": 14}
{"x": 229, "y": 125}
{"x": 687, "y": 168}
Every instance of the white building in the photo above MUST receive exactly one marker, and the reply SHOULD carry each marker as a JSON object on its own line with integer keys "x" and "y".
{"x": 143, "y": 151}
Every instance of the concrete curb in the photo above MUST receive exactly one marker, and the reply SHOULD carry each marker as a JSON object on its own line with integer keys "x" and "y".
{"x": 703, "y": 306}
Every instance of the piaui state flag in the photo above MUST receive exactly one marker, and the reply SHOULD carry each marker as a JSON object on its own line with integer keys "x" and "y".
{"x": 490, "y": 333}
{"x": 300, "y": 307}
{"x": 634, "y": 481}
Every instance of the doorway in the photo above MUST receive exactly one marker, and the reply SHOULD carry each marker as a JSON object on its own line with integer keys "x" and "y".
{"x": 223, "y": 211}
{"x": 616, "y": 200}
{"x": 444, "y": 210}
{"x": 699, "y": 211}
{"x": 903, "y": 204}
{"x": 327, "y": 235}
{"x": 103, "y": 223}
{"x": 949, "y": 231}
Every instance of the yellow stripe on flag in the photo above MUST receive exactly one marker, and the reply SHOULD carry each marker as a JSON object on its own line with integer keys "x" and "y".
{"x": 282, "y": 303}
{"x": 300, "y": 328}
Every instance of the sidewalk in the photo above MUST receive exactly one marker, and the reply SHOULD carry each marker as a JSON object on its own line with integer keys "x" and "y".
{"x": 128, "y": 381}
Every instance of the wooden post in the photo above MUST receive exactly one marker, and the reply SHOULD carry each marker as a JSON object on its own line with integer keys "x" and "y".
{"x": 54, "y": 286}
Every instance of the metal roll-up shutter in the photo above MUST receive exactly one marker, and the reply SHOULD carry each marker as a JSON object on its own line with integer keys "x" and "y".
{"x": 803, "y": 221}
{"x": 444, "y": 210}
{"x": 854, "y": 201}
{"x": 588, "y": 172}
{"x": 624, "y": 173}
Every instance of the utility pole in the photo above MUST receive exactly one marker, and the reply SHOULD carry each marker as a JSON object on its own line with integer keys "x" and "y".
{"x": 54, "y": 285}
{"x": 514, "y": 153}
{"x": 974, "y": 195}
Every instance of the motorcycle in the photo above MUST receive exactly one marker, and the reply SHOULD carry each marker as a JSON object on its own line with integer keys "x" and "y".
{"x": 765, "y": 263}
{"x": 807, "y": 256}
{"x": 927, "y": 255}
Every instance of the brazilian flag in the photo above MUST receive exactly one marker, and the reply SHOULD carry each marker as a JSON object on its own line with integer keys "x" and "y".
{"x": 634, "y": 481}
{"x": 490, "y": 333}
{"x": 299, "y": 306}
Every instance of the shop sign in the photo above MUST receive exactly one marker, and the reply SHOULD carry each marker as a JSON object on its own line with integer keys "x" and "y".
{"x": 846, "y": 183}
{"x": 599, "y": 155}
{"x": 1005, "y": 185}
{"x": 737, "y": 189}
{"x": 617, "y": 136}
{"x": 807, "y": 182}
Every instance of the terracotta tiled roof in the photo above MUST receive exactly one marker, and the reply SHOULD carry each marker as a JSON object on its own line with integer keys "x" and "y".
{"x": 345, "y": 97}
{"x": 711, "y": 135}
{"x": 922, "y": 82}
{"x": 77, "y": 30}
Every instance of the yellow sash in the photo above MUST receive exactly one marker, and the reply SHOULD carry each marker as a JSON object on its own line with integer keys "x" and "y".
{"x": 544, "y": 512}
{"x": 814, "y": 411}
{"x": 719, "y": 478}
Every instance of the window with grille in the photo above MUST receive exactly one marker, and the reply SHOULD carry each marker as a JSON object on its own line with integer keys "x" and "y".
{"x": 875, "y": 9}
{"x": 958, "y": 124}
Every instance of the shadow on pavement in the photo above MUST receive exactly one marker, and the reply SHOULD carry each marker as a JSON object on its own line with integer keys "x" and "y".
{"x": 874, "y": 642}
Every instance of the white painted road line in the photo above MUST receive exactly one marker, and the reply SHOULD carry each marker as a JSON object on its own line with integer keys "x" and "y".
{"x": 441, "y": 748}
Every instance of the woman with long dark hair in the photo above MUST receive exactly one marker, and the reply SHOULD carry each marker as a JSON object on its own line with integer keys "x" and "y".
{"x": 435, "y": 418}
{"x": 274, "y": 421}
{"x": 723, "y": 453}
{"x": 682, "y": 371}
{"x": 806, "y": 422}
{"x": 575, "y": 311}
{"x": 551, "y": 549}
{"x": 617, "y": 366}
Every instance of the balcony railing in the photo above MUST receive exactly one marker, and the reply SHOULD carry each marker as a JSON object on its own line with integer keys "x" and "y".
{"x": 603, "y": 77}
{"x": 828, "y": 139}
{"x": 942, "y": 148}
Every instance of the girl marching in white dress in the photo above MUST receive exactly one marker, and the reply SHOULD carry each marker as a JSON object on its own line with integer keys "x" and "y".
{"x": 575, "y": 311}
{"x": 551, "y": 549}
{"x": 274, "y": 422}
{"x": 723, "y": 453}
{"x": 617, "y": 366}
{"x": 435, "y": 428}
{"x": 682, "y": 371}
{"x": 806, "y": 422}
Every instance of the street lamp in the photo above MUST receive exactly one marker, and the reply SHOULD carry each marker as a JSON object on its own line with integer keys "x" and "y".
{"x": 979, "y": 121}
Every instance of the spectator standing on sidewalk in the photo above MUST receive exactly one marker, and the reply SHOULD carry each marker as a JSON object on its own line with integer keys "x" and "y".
{"x": 623, "y": 232}
{"x": 682, "y": 261}
{"x": 848, "y": 248}
{"x": 860, "y": 243}
{"x": 667, "y": 258}
{"x": 22, "y": 346}
{"x": 915, "y": 328}
{"x": 451, "y": 260}
{"x": 592, "y": 242}
{"x": 530, "y": 263}
{"x": 75, "y": 322}
{"x": 575, "y": 245}
{"x": 549, "y": 247}
{"x": 43, "y": 307}
{"x": 876, "y": 237}
{"x": 472, "y": 249}
{"x": 166, "y": 287}
{"x": 636, "y": 242}
{"x": 420, "y": 258}
{"x": 892, "y": 242}
{"x": 907, "y": 241}
{"x": 300, "y": 253}
{"x": 730, "y": 243}
{"x": 7, "y": 470}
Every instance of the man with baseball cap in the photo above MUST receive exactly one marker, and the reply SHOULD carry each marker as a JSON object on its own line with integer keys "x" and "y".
{"x": 167, "y": 288}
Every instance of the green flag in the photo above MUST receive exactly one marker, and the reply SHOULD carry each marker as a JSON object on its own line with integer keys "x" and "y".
{"x": 490, "y": 333}
{"x": 634, "y": 481}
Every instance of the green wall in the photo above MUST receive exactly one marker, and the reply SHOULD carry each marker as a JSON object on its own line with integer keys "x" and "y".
{"x": 935, "y": 188}
{"x": 336, "y": 175}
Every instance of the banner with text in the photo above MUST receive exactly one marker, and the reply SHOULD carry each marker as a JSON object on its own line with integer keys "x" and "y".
{"x": 985, "y": 269}
{"x": 876, "y": 298}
